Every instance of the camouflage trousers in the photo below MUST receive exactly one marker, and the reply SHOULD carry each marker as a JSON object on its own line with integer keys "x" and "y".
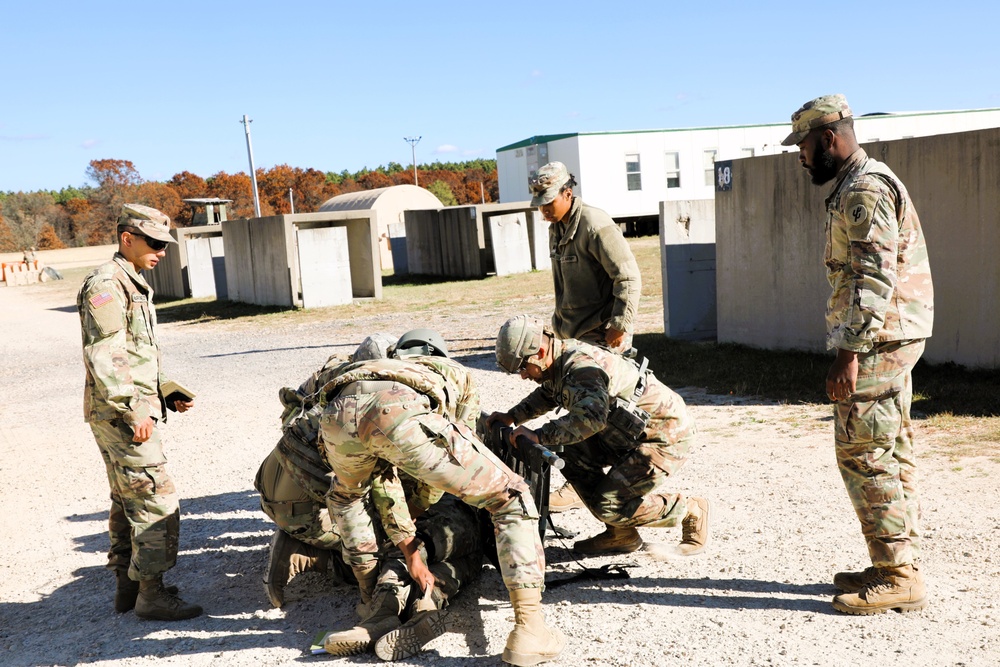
{"x": 398, "y": 426}
{"x": 291, "y": 508}
{"x": 632, "y": 492}
{"x": 144, "y": 521}
{"x": 874, "y": 441}
{"x": 451, "y": 547}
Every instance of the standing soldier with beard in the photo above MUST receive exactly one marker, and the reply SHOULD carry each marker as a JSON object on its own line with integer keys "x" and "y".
{"x": 881, "y": 309}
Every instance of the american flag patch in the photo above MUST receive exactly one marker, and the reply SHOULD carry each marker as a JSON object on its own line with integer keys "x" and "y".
{"x": 101, "y": 299}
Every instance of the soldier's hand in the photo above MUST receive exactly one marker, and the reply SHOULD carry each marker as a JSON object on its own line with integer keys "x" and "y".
{"x": 143, "y": 431}
{"x": 842, "y": 380}
{"x": 502, "y": 417}
{"x": 526, "y": 432}
{"x": 183, "y": 406}
{"x": 613, "y": 337}
{"x": 415, "y": 565}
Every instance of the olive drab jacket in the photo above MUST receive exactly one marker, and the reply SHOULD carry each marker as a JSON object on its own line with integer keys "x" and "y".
{"x": 594, "y": 272}
{"x": 120, "y": 352}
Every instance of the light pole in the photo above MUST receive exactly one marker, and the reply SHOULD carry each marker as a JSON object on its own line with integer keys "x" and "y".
{"x": 253, "y": 172}
{"x": 413, "y": 150}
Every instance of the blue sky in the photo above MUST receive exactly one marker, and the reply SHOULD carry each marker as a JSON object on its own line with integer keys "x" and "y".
{"x": 336, "y": 86}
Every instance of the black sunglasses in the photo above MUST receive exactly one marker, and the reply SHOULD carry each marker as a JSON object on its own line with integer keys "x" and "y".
{"x": 156, "y": 245}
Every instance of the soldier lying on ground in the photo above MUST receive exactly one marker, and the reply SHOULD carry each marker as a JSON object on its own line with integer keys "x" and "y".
{"x": 620, "y": 417}
{"x": 418, "y": 414}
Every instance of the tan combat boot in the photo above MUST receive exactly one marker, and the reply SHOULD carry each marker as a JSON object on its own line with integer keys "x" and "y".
{"x": 383, "y": 618}
{"x": 155, "y": 602}
{"x": 566, "y": 498}
{"x": 852, "y": 582}
{"x": 127, "y": 591}
{"x": 900, "y": 588}
{"x": 614, "y": 540}
{"x": 531, "y": 641}
{"x": 426, "y": 624}
{"x": 287, "y": 558}
{"x": 694, "y": 527}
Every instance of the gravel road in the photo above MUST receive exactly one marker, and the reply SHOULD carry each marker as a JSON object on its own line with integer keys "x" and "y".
{"x": 781, "y": 522}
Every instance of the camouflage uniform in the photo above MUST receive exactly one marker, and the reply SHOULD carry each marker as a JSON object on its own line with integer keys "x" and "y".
{"x": 596, "y": 278}
{"x": 881, "y": 306}
{"x": 404, "y": 412}
{"x": 123, "y": 378}
{"x": 585, "y": 380}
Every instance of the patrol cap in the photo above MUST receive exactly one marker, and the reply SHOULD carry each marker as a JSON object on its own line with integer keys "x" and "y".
{"x": 545, "y": 184}
{"x": 817, "y": 113}
{"x": 147, "y": 220}
{"x": 377, "y": 346}
{"x": 519, "y": 338}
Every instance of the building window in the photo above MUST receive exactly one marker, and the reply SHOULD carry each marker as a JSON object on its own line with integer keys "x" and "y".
{"x": 672, "y": 164}
{"x": 746, "y": 152}
{"x": 632, "y": 171}
{"x": 709, "y": 165}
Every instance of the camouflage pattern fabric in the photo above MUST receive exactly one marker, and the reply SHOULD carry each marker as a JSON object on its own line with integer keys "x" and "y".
{"x": 120, "y": 352}
{"x": 123, "y": 375}
{"x": 817, "y": 113}
{"x": 144, "y": 522}
{"x": 875, "y": 454}
{"x": 451, "y": 548}
{"x": 876, "y": 260}
{"x": 402, "y": 426}
{"x": 291, "y": 506}
{"x": 584, "y": 381}
{"x": 594, "y": 273}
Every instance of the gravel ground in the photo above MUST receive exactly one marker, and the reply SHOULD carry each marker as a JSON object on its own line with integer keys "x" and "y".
{"x": 781, "y": 522}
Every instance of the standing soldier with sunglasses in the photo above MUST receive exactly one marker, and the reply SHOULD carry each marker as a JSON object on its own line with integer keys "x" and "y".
{"x": 124, "y": 405}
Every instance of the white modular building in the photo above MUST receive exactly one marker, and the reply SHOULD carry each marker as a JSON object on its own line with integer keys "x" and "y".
{"x": 629, "y": 173}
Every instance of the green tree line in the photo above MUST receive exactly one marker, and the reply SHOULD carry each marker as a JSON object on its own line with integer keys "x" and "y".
{"x": 78, "y": 216}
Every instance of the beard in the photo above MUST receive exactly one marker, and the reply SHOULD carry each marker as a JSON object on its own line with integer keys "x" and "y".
{"x": 824, "y": 167}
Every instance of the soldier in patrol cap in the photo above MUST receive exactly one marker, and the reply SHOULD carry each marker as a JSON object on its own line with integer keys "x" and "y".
{"x": 624, "y": 434}
{"x": 880, "y": 310}
{"x": 125, "y": 406}
{"x": 594, "y": 274}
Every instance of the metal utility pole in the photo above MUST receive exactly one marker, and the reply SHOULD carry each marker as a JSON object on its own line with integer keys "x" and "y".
{"x": 291, "y": 200}
{"x": 413, "y": 150}
{"x": 253, "y": 172}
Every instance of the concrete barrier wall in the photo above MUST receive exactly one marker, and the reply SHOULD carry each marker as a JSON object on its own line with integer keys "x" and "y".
{"x": 771, "y": 282}
{"x": 171, "y": 276}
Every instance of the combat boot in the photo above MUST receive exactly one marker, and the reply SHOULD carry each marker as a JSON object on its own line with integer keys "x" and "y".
{"x": 900, "y": 588}
{"x": 614, "y": 540}
{"x": 694, "y": 527}
{"x": 127, "y": 591}
{"x": 383, "y": 618}
{"x": 426, "y": 624}
{"x": 531, "y": 641}
{"x": 852, "y": 582}
{"x": 566, "y": 498}
{"x": 155, "y": 602}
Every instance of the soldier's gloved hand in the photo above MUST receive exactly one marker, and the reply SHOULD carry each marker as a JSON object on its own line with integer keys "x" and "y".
{"x": 523, "y": 431}
{"x": 502, "y": 417}
{"x": 289, "y": 397}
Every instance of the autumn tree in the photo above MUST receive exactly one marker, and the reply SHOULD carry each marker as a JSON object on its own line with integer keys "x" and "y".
{"x": 116, "y": 182}
{"x": 26, "y": 213}
{"x": 161, "y": 196}
{"x": 239, "y": 189}
{"x": 48, "y": 239}
{"x": 274, "y": 185}
{"x": 187, "y": 186}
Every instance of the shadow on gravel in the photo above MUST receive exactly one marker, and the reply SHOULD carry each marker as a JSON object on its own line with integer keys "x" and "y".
{"x": 224, "y": 540}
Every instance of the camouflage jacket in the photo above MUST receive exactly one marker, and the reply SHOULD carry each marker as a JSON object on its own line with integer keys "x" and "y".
{"x": 594, "y": 273}
{"x": 876, "y": 260}
{"x": 120, "y": 353}
{"x": 584, "y": 380}
{"x": 452, "y": 393}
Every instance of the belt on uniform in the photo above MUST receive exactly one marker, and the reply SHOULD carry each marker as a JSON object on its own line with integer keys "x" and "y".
{"x": 365, "y": 387}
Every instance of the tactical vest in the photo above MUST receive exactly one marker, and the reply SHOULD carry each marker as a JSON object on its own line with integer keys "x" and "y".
{"x": 418, "y": 377}
{"x": 304, "y": 463}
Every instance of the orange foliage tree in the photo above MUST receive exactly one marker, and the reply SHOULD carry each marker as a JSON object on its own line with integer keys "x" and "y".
{"x": 187, "y": 186}
{"x": 48, "y": 239}
{"x": 162, "y": 197}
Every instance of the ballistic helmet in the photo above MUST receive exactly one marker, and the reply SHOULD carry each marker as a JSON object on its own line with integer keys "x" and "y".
{"x": 519, "y": 338}
{"x": 377, "y": 346}
{"x": 420, "y": 343}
